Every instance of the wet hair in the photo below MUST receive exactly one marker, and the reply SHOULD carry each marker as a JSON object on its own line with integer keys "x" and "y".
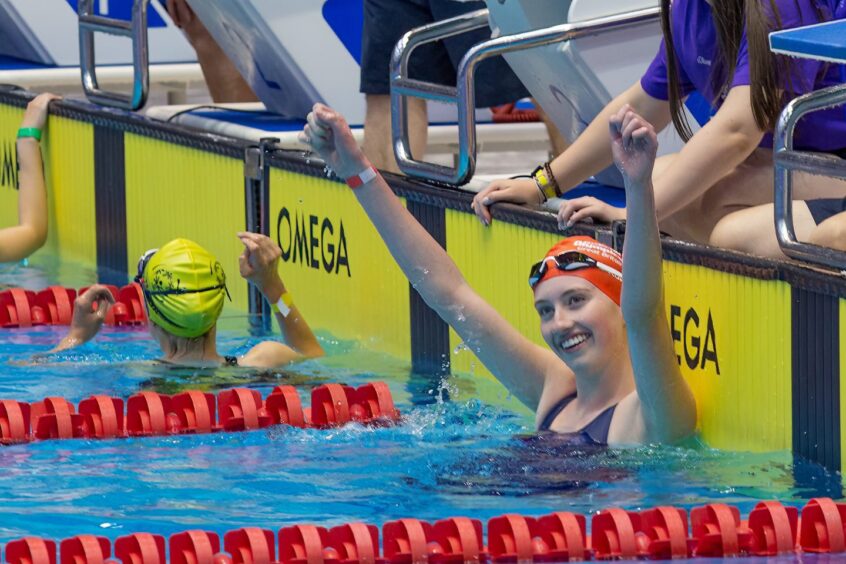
{"x": 770, "y": 75}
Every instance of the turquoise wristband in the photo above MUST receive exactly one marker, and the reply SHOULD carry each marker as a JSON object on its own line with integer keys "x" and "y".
{"x": 25, "y": 132}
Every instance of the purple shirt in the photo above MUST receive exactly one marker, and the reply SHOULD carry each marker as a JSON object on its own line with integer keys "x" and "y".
{"x": 695, "y": 39}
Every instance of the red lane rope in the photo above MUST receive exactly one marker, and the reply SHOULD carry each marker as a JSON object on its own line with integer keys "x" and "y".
{"x": 193, "y": 411}
{"x": 714, "y": 530}
{"x": 54, "y": 306}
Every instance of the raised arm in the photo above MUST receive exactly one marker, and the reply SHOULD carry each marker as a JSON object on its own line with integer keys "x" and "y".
{"x": 518, "y": 363}
{"x": 20, "y": 241}
{"x": 666, "y": 402}
{"x": 259, "y": 264}
{"x": 588, "y": 155}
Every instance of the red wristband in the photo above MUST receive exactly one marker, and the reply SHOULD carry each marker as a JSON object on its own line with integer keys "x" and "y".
{"x": 363, "y": 177}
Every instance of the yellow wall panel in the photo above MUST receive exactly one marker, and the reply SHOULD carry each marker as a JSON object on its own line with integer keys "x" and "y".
{"x": 335, "y": 264}
{"x": 69, "y": 166}
{"x": 741, "y": 326}
{"x": 68, "y": 154}
{"x": 495, "y": 261}
{"x": 10, "y": 119}
{"x": 175, "y": 191}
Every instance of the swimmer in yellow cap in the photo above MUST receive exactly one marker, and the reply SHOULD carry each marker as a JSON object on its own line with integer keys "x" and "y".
{"x": 609, "y": 374}
{"x": 184, "y": 290}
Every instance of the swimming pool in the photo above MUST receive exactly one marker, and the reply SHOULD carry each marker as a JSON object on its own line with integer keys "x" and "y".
{"x": 453, "y": 455}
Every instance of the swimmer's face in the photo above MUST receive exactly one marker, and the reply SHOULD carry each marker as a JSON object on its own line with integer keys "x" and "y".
{"x": 583, "y": 326}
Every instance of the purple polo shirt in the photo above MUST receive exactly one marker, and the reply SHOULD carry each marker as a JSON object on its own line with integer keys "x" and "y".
{"x": 695, "y": 39}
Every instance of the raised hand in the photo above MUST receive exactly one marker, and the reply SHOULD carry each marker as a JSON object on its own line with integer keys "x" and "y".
{"x": 634, "y": 145}
{"x": 328, "y": 134}
{"x": 259, "y": 263}
{"x": 89, "y": 312}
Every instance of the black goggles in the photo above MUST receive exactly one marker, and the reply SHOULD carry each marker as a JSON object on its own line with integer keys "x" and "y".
{"x": 571, "y": 260}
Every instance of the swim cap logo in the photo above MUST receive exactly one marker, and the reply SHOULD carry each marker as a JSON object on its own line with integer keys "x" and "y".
{"x": 164, "y": 279}
{"x": 217, "y": 271}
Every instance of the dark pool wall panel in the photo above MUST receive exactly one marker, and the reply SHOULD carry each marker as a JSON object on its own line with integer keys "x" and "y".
{"x": 110, "y": 205}
{"x": 816, "y": 377}
{"x": 429, "y": 333}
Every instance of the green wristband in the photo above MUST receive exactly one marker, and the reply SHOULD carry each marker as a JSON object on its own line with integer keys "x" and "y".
{"x": 25, "y": 132}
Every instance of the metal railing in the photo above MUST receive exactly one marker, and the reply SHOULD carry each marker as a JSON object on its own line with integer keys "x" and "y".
{"x": 787, "y": 160}
{"x": 463, "y": 95}
{"x": 136, "y": 31}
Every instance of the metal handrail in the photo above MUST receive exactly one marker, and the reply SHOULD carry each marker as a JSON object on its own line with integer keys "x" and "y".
{"x": 788, "y": 160}
{"x": 464, "y": 95}
{"x": 136, "y": 30}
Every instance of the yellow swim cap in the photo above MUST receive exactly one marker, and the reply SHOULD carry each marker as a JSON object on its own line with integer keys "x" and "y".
{"x": 184, "y": 287}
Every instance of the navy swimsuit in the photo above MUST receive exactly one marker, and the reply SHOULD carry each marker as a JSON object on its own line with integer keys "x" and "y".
{"x": 595, "y": 432}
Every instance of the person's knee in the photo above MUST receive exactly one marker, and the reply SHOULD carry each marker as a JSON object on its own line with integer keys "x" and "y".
{"x": 830, "y": 233}
{"x": 730, "y": 233}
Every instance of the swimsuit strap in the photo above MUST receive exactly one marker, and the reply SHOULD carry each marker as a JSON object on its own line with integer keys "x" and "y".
{"x": 230, "y": 361}
{"x": 554, "y": 411}
{"x": 597, "y": 429}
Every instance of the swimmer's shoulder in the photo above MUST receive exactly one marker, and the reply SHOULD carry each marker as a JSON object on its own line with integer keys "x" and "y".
{"x": 269, "y": 354}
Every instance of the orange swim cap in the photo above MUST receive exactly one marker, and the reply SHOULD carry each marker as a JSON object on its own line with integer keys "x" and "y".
{"x": 586, "y": 258}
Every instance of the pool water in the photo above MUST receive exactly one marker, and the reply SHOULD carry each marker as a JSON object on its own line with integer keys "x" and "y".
{"x": 452, "y": 455}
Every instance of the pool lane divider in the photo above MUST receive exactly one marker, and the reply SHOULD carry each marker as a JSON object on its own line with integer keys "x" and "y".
{"x": 55, "y": 306}
{"x": 193, "y": 412}
{"x": 710, "y": 531}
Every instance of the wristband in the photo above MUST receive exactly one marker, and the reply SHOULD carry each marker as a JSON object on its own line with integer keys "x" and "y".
{"x": 544, "y": 183}
{"x": 283, "y": 305}
{"x": 548, "y": 168}
{"x": 33, "y": 132}
{"x": 363, "y": 177}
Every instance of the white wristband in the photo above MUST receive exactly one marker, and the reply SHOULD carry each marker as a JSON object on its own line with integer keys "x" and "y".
{"x": 283, "y": 306}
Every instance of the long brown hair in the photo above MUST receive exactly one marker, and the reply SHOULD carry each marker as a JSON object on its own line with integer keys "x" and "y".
{"x": 770, "y": 76}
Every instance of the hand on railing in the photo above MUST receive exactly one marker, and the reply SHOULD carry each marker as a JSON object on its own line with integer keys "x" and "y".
{"x": 36, "y": 110}
{"x": 511, "y": 190}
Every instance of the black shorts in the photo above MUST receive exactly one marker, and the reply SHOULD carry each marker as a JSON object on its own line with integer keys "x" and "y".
{"x": 825, "y": 208}
{"x": 386, "y": 21}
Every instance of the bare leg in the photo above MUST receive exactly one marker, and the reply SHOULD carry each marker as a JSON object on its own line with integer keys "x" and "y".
{"x": 556, "y": 140}
{"x": 752, "y": 230}
{"x": 224, "y": 81}
{"x": 377, "y": 130}
{"x": 222, "y": 77}
{"x": 831, "y": 233}
{"x": 751, "y": 184}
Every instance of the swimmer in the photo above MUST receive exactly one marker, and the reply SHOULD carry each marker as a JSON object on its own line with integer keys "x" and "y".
{"x": 184, "y": 289}
{"x": 21, "y": 240}
{"x": 718, "y": 48}
{"x": 610, "y": 374}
